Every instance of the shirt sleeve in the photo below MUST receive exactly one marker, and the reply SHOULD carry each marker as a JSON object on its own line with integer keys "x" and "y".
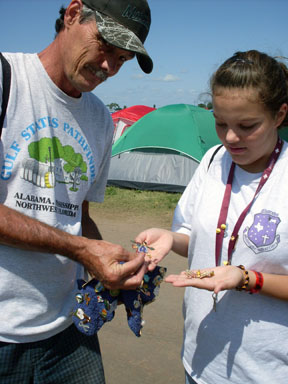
{"x": 97, "y": 191}
{"x": 185, "y": 208}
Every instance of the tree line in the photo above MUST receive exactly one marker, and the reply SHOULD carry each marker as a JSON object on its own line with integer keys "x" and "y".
{"x": 114, "y": 107}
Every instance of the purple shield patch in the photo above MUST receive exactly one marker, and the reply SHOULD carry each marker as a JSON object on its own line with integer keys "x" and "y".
{"x": 261, "y": 236}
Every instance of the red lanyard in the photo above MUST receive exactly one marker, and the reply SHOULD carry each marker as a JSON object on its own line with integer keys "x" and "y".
{"x": 221, "y": 226}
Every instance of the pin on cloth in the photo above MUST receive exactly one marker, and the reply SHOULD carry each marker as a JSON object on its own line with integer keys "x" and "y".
{"x": 96, "y": 305}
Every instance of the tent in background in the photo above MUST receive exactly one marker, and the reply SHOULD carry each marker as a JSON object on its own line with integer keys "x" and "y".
{"x": 126, "y": 117}
{"x": 162, "y": 150}
{"x": 283, "y": 133}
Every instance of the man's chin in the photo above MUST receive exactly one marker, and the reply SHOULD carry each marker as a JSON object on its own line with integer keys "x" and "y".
{"x": 90, "y": 87}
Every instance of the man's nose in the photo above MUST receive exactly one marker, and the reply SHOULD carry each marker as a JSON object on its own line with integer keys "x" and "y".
{"x": 110, "y": 65}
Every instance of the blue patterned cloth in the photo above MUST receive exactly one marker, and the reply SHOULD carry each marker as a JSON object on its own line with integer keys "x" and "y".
{"x": 96, "y": 305}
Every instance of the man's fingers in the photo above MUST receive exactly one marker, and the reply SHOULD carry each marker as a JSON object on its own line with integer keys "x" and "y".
{"x": 133, "y": 265}
{"x": 152, "y": 265}
{"x": 129, "y": 275}
{"x": 134, "y": 281}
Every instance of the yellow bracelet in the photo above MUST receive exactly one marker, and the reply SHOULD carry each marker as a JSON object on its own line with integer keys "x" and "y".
{"x": 246, "y": 279}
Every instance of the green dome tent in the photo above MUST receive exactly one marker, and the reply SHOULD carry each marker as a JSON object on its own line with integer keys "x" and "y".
{"x": 162, "y": 150}
{"x": 283, "y": 133}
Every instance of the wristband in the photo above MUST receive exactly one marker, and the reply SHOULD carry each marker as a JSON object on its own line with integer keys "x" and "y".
{"x": 246, "y": 279}
{"x": 258, "y": 284}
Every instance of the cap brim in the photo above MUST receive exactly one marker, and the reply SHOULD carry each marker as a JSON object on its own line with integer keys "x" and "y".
{"x": 121, "y": 37}
{"x": 145, "y": 62}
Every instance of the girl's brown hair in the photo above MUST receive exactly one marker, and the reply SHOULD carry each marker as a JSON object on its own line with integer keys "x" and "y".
{"x": 254, "y": 69}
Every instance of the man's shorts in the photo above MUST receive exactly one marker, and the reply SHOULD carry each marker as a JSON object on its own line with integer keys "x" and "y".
{"x": 69, "y": 357}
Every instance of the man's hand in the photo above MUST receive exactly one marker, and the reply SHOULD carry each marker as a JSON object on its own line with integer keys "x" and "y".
{"x": 111, "y": 264}
{"x": 101, "y": 259}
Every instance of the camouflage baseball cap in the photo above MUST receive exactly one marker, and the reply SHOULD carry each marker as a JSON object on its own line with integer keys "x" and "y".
{"x": 124, "y": 24}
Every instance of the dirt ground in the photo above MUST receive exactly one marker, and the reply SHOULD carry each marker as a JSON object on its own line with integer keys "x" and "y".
{"x": 155, "y": 356}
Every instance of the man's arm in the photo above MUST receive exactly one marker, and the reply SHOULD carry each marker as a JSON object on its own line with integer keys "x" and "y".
{"x": 99, "y": 257}
{"x": 31, "y": 234}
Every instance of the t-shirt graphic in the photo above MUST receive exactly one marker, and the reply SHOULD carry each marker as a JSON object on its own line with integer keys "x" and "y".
{"x": 261, "y": 235}
{"x": 50, "y": 162}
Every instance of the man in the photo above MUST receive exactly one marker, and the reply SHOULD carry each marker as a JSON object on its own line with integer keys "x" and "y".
{"x": 55, "y": 153}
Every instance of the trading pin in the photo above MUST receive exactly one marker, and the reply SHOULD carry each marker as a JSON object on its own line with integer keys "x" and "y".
{"x": 142, "y": 247}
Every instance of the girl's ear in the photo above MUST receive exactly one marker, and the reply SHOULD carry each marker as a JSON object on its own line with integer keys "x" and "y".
{"x": 281, "y": 114}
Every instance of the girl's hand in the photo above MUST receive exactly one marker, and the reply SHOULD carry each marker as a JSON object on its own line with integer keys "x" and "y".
{"x": 212, "y": 279}
{"x": 161, "y": 240}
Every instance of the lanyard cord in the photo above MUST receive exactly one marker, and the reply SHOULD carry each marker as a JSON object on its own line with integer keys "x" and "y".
{"x": 221, "y": 226}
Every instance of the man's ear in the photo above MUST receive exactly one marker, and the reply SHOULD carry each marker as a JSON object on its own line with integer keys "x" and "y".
{"x": 73, "y": 12}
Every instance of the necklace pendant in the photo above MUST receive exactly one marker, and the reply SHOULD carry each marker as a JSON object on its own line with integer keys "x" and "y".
{"x": 227, "y": 262}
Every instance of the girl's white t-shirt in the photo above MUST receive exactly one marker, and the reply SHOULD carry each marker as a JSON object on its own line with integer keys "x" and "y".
{"x": 244, "y": 341}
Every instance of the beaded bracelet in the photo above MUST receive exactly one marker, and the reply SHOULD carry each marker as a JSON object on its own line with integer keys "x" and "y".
{"x": 258, "y": 284}
{"x": 246, "y": 279}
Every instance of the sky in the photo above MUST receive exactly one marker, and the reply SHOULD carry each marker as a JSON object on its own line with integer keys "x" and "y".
{"x": 188, "y": 40}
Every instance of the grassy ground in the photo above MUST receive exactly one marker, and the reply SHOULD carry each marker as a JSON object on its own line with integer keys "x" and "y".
{"x": 148, "y": 203}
